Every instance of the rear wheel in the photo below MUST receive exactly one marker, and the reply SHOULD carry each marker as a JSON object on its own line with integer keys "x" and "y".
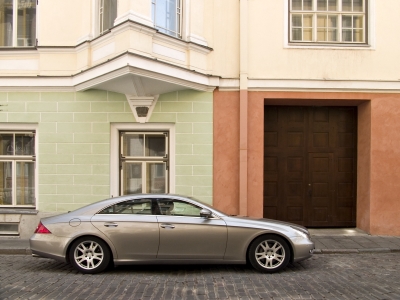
{"x": 269, "y": 253}
{"x": 89, "y": 255}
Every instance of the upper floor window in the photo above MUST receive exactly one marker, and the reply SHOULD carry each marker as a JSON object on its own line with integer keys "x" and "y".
{"x": 107, "y": 14}
{"x": 167, "y": 16}
{"x": 328, "y": 21}
{"x": 17, "y": 23}
{"x": 17, "y": 169}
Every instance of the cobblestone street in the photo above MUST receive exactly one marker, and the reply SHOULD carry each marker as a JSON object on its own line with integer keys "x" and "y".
{"x": 324, "y": 276}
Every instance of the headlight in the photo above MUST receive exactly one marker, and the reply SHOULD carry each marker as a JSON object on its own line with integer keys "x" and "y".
{"x": 303, "y": 232}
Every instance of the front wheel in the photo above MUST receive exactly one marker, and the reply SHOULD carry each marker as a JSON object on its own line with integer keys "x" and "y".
{"x": 89, "y": 255}
{"x": 269, "y": 253}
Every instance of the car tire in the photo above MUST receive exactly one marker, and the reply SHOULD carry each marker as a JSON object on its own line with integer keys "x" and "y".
{"x": 89, "y": 255}
{"x": 269, "y": 253}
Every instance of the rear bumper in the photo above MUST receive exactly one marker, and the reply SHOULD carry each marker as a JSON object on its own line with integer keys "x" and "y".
{"x": 49, "y": 246}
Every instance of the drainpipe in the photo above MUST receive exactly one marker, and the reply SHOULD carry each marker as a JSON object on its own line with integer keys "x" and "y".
{"x": 243, "y": 77}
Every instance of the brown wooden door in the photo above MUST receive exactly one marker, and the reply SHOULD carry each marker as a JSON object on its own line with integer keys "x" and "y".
{"x": 310, "y": 165}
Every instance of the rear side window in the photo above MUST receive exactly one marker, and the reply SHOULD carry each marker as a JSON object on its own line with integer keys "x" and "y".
{"x": 132, "y": 207}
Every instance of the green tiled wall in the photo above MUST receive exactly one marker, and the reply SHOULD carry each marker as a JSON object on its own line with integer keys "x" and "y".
{"x": 191, "y": 112}
{"x": 74, "y": 141}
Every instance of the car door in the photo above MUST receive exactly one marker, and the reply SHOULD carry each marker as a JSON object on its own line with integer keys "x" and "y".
{"x": 131, "y": 227}
{"x": 186, "y": 235}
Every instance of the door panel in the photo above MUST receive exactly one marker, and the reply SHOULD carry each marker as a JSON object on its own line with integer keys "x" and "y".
{"x": 310, "y": 165}
{"x": 134, "y": 236}
{"x": 191, "y": 238}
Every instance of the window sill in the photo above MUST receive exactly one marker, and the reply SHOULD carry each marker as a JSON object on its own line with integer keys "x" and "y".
{"x": 328, "y": 46}
{"x": 21, "y": 211}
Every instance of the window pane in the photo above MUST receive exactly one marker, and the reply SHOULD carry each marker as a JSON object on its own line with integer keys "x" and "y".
{"x": 296, "y": 4}
{"x": 307, "y": 4}
{"x": 332, "y": 35}
{"x": 332, "y": 21}
{"x": 346, "y": 35}
{"x": 25, "y": 183}
{"x": 332, "y": 5}
{"x": 358, "y": 35}
{"x": 346, "y": 5}
{"x": 6, "y": 144}
{"x": 297, "y": 34}
{"x": 132, "y": 178}
{"x": 307, "y": 34}
{"x": 6, "y": 183}
{"x": 307, "y": 21}
{"x": 322, "y": 5}
{"x": 108, "y": 13}
{"x": 166, "y": 16}
{"x": 297, "y": 20}
{"x": 133, "y": 145}
{"x": 6, "y": 21}
{"x": 322, "y": 21}
{"x": 321, "y": 35}
{"x": 24, "y": 144}
{"x": 26, "y": 30}
{"x": 358, "y": 22}
{"x": 347, "y": 22}
{"x": 357, "y": 5}
{"x": 155, "y": 180}
{"x": 155, "y": 145}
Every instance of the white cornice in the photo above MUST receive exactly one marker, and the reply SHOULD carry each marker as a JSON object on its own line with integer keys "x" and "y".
{"x": 232, "y": 84}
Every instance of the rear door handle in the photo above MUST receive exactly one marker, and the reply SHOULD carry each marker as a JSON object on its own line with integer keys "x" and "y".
{"x": 110, "y": 224}
{"x": 170, "y": 226}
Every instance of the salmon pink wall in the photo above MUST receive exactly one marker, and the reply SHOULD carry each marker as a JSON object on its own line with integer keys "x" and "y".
{"x": 378, "y": 164}
{"x": 226, "y": 152}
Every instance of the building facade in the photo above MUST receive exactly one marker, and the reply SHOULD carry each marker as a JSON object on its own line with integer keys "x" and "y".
{"x": 283, "y": 109}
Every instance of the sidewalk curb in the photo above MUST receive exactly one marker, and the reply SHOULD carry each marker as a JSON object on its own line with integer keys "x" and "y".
{"x": 356, "y": 251}
{"x": 16, "y": 251}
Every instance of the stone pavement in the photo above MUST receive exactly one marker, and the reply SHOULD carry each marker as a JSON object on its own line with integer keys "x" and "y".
{"x": 366, "y": 276}
{"x": 327, "y": 241}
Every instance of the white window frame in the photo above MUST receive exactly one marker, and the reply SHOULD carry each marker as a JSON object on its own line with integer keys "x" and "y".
{"x": 179, "y": 13}
{"x": 369, "y": 28}
{"x": 115, "y": 151}
{"x": 143, "y": 160}
{"x": 23, "y": 128}
{"x": 15, "y": 38}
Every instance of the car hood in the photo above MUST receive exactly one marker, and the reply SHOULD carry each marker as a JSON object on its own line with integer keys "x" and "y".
{"x": 261, "y": 223}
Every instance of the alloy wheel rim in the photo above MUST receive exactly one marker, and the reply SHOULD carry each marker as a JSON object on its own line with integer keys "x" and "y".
{"x": 88, "y": 255}
{"x": 270, "y": 254}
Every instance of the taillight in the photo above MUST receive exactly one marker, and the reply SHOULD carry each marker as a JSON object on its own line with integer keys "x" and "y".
{"x": 41, "y": 229}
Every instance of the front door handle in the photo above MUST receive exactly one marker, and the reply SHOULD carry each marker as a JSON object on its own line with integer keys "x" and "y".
{"x": 167, "y": 226}
{"x": 110, "y": 224}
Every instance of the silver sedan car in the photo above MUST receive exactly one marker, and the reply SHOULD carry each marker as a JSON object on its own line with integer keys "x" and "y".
{"x": 162, "y": 228}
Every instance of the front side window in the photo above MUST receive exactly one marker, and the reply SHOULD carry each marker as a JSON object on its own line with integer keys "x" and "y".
{"x": 107, "y": 14}
{"x": 144, "y": 162}
{"x": 17, "y": 169}
{"x": 328, "y": 21}
{"x": 17, "y": 23}
{"x": 167, "y": 16}
{"x": 178, "y": 208}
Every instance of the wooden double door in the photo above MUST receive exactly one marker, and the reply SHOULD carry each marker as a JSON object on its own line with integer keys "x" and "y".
{"x": 310, "y": 165}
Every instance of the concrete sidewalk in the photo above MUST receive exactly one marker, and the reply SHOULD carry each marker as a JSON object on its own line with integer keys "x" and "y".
{"x": 327, "y": 241}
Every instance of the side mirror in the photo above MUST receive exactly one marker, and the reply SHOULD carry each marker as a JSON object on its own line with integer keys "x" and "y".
{"x": 205, "y": 213}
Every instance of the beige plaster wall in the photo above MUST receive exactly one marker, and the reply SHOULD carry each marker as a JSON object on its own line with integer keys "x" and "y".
{"x": 269, "y": 58}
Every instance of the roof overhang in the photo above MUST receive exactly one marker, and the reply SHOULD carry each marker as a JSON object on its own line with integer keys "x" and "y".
{"x": 127, "y": 73}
